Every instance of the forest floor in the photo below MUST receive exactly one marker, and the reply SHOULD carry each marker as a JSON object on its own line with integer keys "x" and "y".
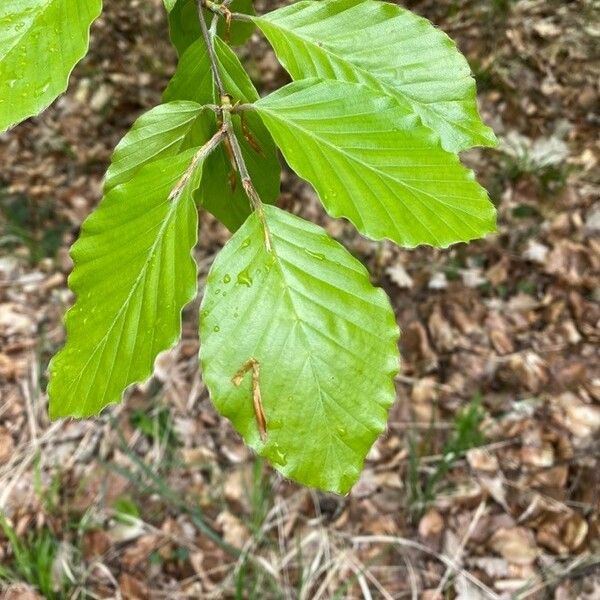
{"x": 487, "y": 481}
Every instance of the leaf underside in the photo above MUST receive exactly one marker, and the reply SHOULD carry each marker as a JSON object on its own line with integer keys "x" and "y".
{"x": 389, "y": 49}
{"x": 193, "y": 82}
{"x": 325, "y": 340}
{"x": 40, "y": 43}
{"x": 133, "y": 275}
{"x": 374, "y": 163}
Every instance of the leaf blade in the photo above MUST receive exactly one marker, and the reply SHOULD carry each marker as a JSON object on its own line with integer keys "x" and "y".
{"x": 165, "y": 130}
{"x": 133, "y": 275}
{"x": 40, "y": 44}
{"x": 388, "y": 48}
{"x": 373, "y": 163}
{"x": 325, "y": 340}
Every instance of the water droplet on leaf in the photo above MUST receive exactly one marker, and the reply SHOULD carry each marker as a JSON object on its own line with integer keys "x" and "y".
{"x": 279, "y": 457}
{"x": 244, "y": 278}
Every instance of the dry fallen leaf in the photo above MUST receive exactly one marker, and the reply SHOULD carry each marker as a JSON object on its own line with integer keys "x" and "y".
{"x": 514, "y": 544}
{"x": 431, "y": 524}
{"x": 582, "y": 420}
{"x": 481, "y": 459}
{"x": 132, "y": 588}
{"x": 397, "y": 273}
{"x": 234, "y": 531}
{"x": 7, "y": 446}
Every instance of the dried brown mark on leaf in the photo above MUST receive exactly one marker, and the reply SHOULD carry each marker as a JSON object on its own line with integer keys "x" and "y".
{"x": 253, "y": 365}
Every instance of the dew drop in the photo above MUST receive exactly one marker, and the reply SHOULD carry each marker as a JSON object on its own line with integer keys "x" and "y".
{"x": 216, "y": 329}
{"x": 279, "y": 457}
{"x": 227, "y": 278}
{"x": 341, "y": 430}
{"x": 246, "y": 243}
{"x": 244, "y": 278}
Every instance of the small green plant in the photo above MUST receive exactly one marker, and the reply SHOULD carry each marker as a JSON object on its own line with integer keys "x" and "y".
{"x": 298, "y": 348}
{"x": 466, "y": 434}
{"x": 33, "y": 561}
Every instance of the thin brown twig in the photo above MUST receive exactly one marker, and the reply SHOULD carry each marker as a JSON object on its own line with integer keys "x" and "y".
{"x": 214, "y": 65}
{"x": 214, "y": 141}
{"x": 226, "y": 108}
{"x": 458, "y": 555}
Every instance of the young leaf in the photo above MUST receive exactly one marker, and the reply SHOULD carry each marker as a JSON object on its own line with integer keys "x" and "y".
{"x": 184, "y": 25}
{"x": 40, "y": 43}
{"x": 388, "y": 48}
{"x": 133, "y": 275}
{"x": 193, "y": 81}
{"x": 374, "y": 163}
{"x": 165, "y": 130}
{"x": 302, "y": 327}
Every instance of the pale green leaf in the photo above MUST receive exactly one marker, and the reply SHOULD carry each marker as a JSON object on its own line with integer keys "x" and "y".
{"x": 184, "y": 25}
{"x": 40, "y": 43}
{"x": 374, "y": 163}
{"x": 165, "y": 130}
{"x": 133, "y": 275}
{"x": 169, "y": 4}
{"x": 193, "y": 82}
{"x": 388, "y": 48}
{"x": 325, "y": 341}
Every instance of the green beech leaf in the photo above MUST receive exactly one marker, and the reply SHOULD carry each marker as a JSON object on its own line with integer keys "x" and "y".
{"x": 40, "y": 43}
{"x": 193, "y": 82}
{"x": 324, "y": 339}
{"x": 388, "y": 48}
{"x": 373, "y": 162}
{"x": 184, "y": 24}
{"x": 133, "y": 275}
{"x": 165, "y": 130}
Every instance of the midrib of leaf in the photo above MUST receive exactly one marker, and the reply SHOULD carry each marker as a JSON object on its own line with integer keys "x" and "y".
{"x": 367, "y": 77}
{"x": 385, "y": 176}
{"x": 388, "y": 89}
{"x": 179, "y": 143}
{"x": 141, "y": 276}
{"x": 301, "y": 324}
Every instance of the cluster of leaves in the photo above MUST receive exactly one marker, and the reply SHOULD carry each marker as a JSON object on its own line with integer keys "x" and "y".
{"x": 298, "y": 348}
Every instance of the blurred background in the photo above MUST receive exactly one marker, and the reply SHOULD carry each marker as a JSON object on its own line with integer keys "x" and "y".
{"x": 487, "y": 481}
